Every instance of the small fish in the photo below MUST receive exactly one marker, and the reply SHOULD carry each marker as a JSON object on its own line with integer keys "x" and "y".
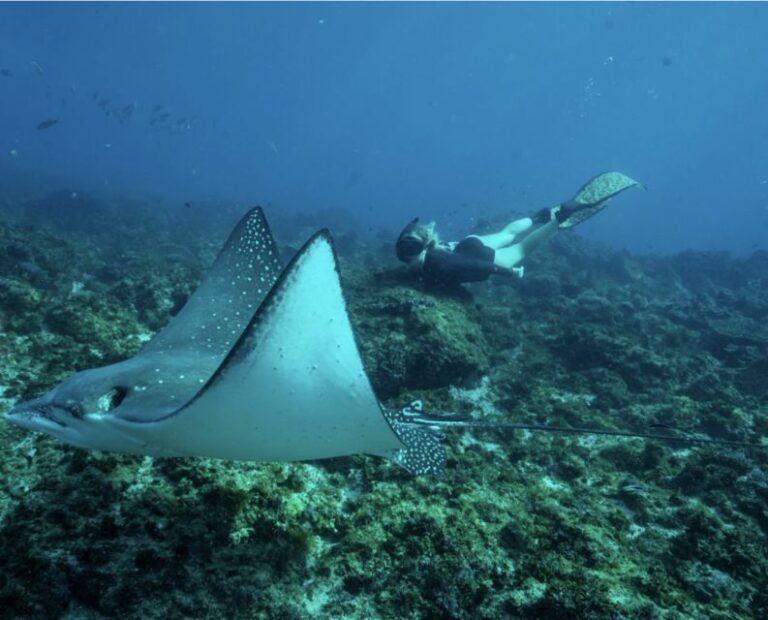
{"x": 272, "y": 146}
{"x": 13, "y": 153}
{"x": 634, "y": 489}
{"x": 103, "y": 103}
{"x": 48, "y": 123}
{"x": 37, "y": 67}
{"x": 124, "y": 114}
{"x": 188, "y": 205}
{"x": 6, "y": 73}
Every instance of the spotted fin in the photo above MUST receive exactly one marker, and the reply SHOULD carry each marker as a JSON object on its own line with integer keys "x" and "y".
{"x": 215, "y": 316}
{"x": 595, "y": 194}
{"x": 423, "y": 452}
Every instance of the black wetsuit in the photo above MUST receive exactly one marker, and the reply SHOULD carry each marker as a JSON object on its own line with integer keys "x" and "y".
{"x": 470, "y": 261}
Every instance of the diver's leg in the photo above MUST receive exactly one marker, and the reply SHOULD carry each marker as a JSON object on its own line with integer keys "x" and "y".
{"x": 509, "y": 256}
{"x": 506, "y": 235}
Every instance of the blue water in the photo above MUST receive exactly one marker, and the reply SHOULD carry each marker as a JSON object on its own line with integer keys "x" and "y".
{"x": 448, "y": 111}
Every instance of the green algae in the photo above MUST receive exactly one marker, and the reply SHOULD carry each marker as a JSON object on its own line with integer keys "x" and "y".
{"x": 414, "y": 340}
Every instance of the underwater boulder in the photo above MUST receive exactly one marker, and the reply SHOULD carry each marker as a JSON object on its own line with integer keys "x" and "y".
{"x": 412, "y": 340}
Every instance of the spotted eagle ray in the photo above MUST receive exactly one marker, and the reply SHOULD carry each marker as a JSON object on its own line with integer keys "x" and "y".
{"x": 261, "y": 364}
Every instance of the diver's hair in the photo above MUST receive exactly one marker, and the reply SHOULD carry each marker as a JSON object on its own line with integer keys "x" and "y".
{"x": 414, "y": 239}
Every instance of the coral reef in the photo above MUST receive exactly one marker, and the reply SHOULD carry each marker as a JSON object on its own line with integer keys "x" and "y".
{"x": 520, "y": 525}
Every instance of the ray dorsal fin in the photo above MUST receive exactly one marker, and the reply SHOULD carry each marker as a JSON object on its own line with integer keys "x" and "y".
{"x": 293, "y": 387}
{"x": 219, "y": 310}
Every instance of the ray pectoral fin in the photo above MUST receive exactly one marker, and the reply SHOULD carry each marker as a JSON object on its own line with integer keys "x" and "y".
{"x": 172, "y": 367}
{"x": 241, "y": 277}
{"x": 293, "y": 387}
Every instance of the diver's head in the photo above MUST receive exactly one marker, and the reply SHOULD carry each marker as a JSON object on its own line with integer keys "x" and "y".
{"x": 415, "y": 240}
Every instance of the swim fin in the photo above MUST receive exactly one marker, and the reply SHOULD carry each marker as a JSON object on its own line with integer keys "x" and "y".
{"x": 593, "y": 197}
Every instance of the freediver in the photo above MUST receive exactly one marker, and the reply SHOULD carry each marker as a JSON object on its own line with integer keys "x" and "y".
{"x": 476, "y": 257}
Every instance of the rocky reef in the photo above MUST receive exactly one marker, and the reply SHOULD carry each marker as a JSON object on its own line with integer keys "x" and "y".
{"x": 520, "y": 525}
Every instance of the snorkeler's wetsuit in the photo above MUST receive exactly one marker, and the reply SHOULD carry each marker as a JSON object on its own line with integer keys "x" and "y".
{"x": 470, "y": 261}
